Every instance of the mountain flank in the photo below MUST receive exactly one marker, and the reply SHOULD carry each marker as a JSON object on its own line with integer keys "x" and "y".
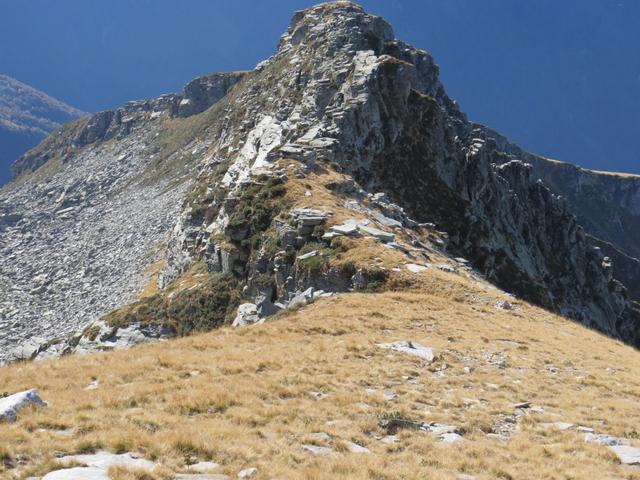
{"x": 27, "y": 116}
{"x": 511, "y": 393}
{"x": 395, "y": 290}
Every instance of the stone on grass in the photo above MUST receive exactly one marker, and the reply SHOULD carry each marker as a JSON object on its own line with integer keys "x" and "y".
{"x": 626, "y": 454}
{"x": 376, "y": 233}
{"x": 317, "y": 450}
{"x": 390, "y": 439}
{"x": 247, "y": 472}
{"x": 308, "y": 255}
{"x": 247, "y": 315}
{"x": 78, "y": 473}
{"x": 105, "y": 460}
{"x": 355, "y": 448}
{"x": 9, "y": 406}
{"x": 303, "y": 298}
{"x": 412, "y": 267}
{"x": 389, "y": 395}
{"x": 348, "y": 229}
{"x": 412, "y": 348}
{"x": 607, "y": 440}
{"x": 504, "y": 305}
{"x": 450, "y": 437}
{"x": 439, "y": 428}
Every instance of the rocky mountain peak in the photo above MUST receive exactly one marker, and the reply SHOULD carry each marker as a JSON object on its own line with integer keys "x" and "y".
{"x": 273, "y": 187}
{"x": 337, "y": 25}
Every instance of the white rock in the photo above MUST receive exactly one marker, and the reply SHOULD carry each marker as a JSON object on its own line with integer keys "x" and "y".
{"x": 450, "y": 437}
{"x": 412, "y": 348}
{"x": 247, "y": 472}
{"x": 412, "y": 267}
{"x": 104, "y": 460}
{"x": 439, "y": 428}
{"x": 77, "y": 473}
{"x": 247, "y": 315}
{"x": 627, "y": 455}
{"x": 374, "y": 232}
{"x": 607, "y": 440}
{"x": 348, "y": 229}
{"x": 355, "y": 448}
{"x": 308, "y": 255}
{"x": 303, "y": 298}
{"x": 10, "y": 405}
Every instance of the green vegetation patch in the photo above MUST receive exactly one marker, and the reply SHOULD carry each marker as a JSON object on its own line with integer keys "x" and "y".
{"x": 203, "y": 308}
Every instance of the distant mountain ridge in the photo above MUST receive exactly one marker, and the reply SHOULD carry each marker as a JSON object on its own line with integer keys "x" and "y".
{"x": 27, "y": 116}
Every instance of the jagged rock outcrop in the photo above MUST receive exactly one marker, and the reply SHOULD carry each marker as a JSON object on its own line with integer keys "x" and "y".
{"x": 607, "y": 205}
{"x": 340, "y": 93}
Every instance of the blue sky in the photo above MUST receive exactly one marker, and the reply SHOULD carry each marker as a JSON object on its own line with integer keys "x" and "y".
{"x": 559, "y": 77}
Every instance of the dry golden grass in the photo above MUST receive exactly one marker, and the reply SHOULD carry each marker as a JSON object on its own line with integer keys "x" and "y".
{"x": 152, "y": 272}
{"x": 243, "y": 397}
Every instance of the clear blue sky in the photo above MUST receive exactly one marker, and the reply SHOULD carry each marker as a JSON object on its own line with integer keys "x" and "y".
{"x": 559, "y": 77}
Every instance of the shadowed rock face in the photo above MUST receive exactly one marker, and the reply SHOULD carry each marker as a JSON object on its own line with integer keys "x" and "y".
{"x": 340, "y": 89}
{"x": 26, "y": 117}
{"x": 606, "y": 204}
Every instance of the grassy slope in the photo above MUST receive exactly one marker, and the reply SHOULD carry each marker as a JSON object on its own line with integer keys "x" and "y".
{"x": 242, "y": 396}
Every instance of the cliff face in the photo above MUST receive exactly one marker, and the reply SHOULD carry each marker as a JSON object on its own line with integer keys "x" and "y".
{"x": 606, "y": 204}
{"x": 26, "y": 117}
{"x": 212, "y": 175}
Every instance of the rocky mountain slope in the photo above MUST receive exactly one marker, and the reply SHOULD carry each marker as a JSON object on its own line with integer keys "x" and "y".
{"x": 606, "y": 204}
{"x": 335, "y": 165}
{"x": 27, "y": 116}
{"x": 332, "y": 390}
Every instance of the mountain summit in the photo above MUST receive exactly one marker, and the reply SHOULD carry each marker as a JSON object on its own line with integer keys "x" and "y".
{"x": 393, "y": 291}
{"x": 26, "y": 117}
{"x": 165, "y": 215}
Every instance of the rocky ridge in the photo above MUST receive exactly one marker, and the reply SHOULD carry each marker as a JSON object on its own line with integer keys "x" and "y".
{"x": 606, "y": 205}
{"x": 341, "y": 97}
{"x": 26, "y": 117}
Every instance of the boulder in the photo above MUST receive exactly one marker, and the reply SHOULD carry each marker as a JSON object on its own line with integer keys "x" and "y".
{"x": 348, "y": 229}
{"x": 9, "y": 406}
{"x": 303, "y": 298}
{"x": 376, "y": 233}
{"x": 247, "y": 315}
